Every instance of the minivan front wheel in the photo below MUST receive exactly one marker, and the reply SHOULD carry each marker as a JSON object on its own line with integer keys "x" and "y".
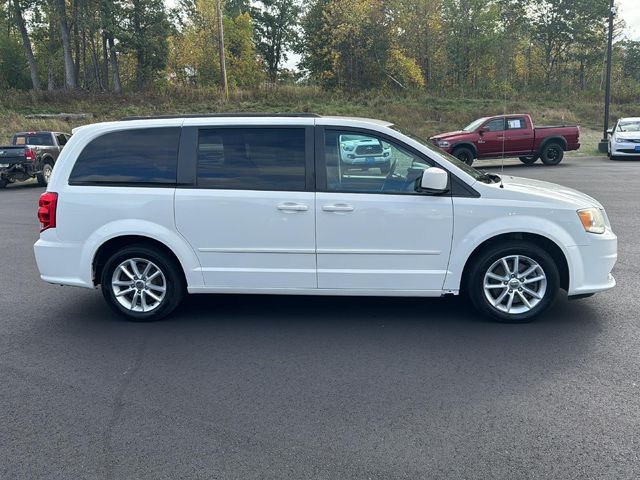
{"x": 141, "y": 283}
{"x": 513, "y": 282}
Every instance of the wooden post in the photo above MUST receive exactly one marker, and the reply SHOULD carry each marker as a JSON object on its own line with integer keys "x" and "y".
{"x": 223, "y": 66}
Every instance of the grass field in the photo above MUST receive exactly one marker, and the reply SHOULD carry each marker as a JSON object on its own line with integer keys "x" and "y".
{"x": 417, "y": 112}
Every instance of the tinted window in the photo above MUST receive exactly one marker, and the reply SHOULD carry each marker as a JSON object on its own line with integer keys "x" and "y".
{"x": 367, "y": 163}
{"x": 130, "y": 156}
{"x": 252, "y": 158}
{"x": 495, "y": 125}
{"x": 42, "y": 139}
{"x": 62, "y": 139}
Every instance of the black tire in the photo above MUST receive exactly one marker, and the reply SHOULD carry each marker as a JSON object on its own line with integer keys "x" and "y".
{"x": 464, "y": 154}
{"x": 552, "y": 154}
{"x": 173, "y": 281}
{"x": 45, "y": 174}
{"x": 475, "y": 281}
{"x": 529, "y": 160}
{"x": 3, "y": 183}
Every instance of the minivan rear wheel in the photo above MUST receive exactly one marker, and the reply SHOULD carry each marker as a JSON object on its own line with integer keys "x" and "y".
{"x": 142, "y": 283}
{"x": 513, "y": 282}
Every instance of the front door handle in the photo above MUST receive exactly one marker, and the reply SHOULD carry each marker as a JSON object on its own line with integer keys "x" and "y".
{"x": 340, "y": 207}
{"x": 293, "y": 207}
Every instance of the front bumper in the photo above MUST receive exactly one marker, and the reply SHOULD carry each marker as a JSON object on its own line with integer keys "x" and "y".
{"x": 625, "y": 149}
{"x": 590, "y": 265}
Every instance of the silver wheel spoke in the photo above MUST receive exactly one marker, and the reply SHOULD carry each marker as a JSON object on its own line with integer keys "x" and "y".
{"x": 121, "y": 283}
{"x": 151, "y": 277}
{"x": 126, "y": 272}
{"x": 528, "y": 271}
{"x": 506, "y": 265}
{"x": 531, "y": 292}
{"x": 134, "y": 300}
{"x": 524, "y": 300}
{"x": 499, "y": 300}
{"x": 154, "y": 296}
{"x": 496, "y": 285}
{"x": 146, "y": 269}
{"x": 125, "y": 292}
{"x": 497, "y": 277}
{"x": 534, "y": 279}
{"x": 143, "y": 301}
{"x": 134, "y": 267}
{"x": 516, "y": 264}
{"x": 510, "y": 302}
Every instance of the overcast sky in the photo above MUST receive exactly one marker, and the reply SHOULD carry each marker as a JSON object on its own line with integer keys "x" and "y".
{"x": 630, "y": 11}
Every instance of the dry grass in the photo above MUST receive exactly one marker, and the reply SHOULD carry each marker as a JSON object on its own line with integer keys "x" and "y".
{"x": 418, "y": 112}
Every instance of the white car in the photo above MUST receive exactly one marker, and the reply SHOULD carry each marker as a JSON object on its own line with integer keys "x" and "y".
{"x": 624, "y": 139}
{"x": 363, "y": 153}
{"x": 150, "y": 209}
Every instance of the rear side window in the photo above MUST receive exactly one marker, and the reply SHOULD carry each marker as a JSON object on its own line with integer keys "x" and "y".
{"x": 142, "y": 156}
{"x": 252, "y": 158}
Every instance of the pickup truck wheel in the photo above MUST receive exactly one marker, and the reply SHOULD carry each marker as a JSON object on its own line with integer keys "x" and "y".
{"x": 44, "y": 176}
{"x": 464, "y": 154}
{"x": 552, "y": 154}
{"x": 513, "y": 281}
{"x": 142, "y": 283}
{"x": 528, "y": 160}
{"x": 3, "y": 183}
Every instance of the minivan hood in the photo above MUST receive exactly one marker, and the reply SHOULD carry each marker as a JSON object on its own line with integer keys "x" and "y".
{"x": 551, "y": 192}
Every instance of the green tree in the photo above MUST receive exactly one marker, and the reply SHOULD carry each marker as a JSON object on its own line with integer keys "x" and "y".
{"x": 276, "y": 23}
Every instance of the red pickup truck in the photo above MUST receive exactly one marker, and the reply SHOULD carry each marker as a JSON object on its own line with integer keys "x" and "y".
{"x": 509, "y": 136}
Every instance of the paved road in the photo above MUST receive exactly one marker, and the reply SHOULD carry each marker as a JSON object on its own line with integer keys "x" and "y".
{"x": 321, "y": 388}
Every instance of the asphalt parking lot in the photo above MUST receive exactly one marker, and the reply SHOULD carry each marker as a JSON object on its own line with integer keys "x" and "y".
{"x": 321, "y": 388}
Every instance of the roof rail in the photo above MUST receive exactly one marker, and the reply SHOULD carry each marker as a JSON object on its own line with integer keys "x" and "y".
{"x": 223, "y": 115}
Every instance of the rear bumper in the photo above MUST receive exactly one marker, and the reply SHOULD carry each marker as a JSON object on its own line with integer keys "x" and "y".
{"x": 60, "y": 263}
{"x": 590, "y": 266}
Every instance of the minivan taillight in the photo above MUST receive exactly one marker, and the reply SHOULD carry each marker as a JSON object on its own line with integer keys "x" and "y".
{"x": 30, "y": 155}
{"x": 47, "y": 210}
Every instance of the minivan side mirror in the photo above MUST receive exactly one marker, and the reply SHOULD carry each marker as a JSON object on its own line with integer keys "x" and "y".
{"x": 434, "y": 180}
{"x": 610, "y": 131}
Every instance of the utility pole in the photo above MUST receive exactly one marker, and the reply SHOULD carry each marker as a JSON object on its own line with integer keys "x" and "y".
{"x": 223, "y": 65}
{"x": 604, "y": 143}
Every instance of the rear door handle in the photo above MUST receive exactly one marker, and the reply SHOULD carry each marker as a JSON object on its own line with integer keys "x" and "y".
{"x": 341, "y": 207}
{"x": 293, "y": 207}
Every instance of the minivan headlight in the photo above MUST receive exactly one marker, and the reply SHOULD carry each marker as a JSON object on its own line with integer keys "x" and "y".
{"x": 592, "y": 220}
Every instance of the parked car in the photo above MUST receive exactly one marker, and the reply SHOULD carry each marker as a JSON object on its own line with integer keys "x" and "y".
{"x": 509, "y": 136}
{"x": 362, "y": 152}
{"x": 624, "y": 139}
{"x": 31, "y": 154}
{"x": 150, "y": 209}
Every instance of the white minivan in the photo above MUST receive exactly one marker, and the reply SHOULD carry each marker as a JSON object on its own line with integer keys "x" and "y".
{"x": 150, "y": 209}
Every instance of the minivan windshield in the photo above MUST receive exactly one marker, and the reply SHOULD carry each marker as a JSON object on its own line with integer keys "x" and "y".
{"x": 476, "y": 174}
{"x": 474, "y": 125}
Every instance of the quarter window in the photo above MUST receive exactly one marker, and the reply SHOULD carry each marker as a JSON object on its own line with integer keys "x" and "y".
{"x": 252, "y": 158}
{"x": 141, "y": 156}
{"x": 357, "y": 162}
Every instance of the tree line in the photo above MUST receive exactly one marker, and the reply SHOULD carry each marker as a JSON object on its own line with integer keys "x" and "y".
{"x": 490, "y": 47}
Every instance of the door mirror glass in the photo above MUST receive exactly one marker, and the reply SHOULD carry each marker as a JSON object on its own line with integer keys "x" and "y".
{"x": 610, "y": 131}
{"x": 434, "y": 180}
